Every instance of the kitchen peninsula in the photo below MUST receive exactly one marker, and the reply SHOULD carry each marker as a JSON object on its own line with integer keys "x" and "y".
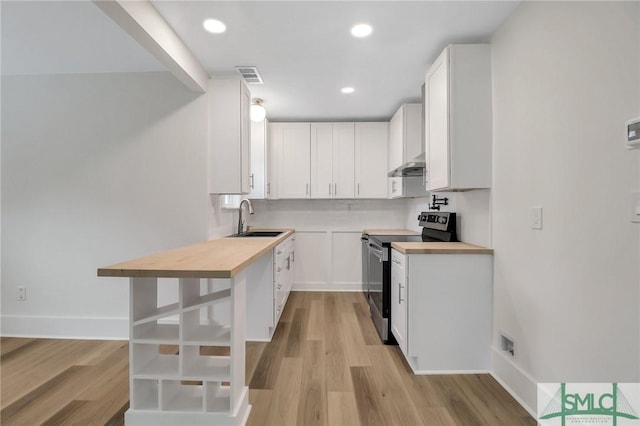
{"x": 191, "y": 386}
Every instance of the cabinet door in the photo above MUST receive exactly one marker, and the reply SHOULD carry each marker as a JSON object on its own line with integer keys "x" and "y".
{"x": 245, "y": 137}
{"x": 321, "y": 160}
{"x": 258, "y": 159}
{"x": 399, "y": 299}
{"x": 343, "y": 160}
{"x": 412, "y": 131}
{"x": 371, "y": 160}
{"x": 271, "y": 174}
{"x": 396, "y": 187}
{"x": 396, "y": 140}
{"x": 229, "y": 136}
{"x": 437, "y": 123}
{"x": 292, "y": 142}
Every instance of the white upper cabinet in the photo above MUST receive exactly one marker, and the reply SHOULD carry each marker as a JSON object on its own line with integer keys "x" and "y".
{"x": 271, "y": 175}
{"x": 458, "y": 119}
{"x": 405, "y": 145}
{"x": 229, "y": 137}
{"x": 405, "y": 135}
{"x": 292, "y": 149}
{"x": 321, "y": 160}
{"x": 332, "y": 160}
{"x": 407, "y": 187}
{"x": 259, "y": 163}
{"x": 371, "y": 159}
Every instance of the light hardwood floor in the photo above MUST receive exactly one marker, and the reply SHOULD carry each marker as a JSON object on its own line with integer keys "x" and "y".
{"x": 324, "y": 366}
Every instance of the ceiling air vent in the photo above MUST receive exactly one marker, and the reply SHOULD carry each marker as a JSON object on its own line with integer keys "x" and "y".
{"x": 250, "y": 75}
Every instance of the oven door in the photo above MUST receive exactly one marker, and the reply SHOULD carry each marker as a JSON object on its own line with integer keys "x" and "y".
{"x": 376, "y": 257}
{"x": 365, "y": 264}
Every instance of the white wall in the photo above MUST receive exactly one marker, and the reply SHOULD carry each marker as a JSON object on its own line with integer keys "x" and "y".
{"x": 328, "y": 248}
{"x": 96, "y": 169}
{"x": 565, "y": 79}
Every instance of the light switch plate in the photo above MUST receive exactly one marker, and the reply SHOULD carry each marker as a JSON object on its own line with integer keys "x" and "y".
{"x": 635, "y": 207}
{"x": 536, "y": 217}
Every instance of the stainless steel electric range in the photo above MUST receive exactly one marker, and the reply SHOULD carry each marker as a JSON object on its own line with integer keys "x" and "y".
{"x": 376, "y": 265}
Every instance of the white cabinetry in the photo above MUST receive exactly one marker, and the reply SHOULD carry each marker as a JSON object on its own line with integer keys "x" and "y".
{"x": 259, "y": 163}
{"x": 292, "y": 149}
{"x": 157, "y": 378}
{"x": 371, "y": 159}
{"x": 329, "y": 160}
{"x": 441, "y": 311}
{"x": 458, "y": 119}
{"x": 399, "y": 299}
{"x": 229, "y": 137}
{"x": 332, "y": 160}
{"x": 405, "y": 145}
{"x": 283, "y": 275}
{"x": 271, "y": 279}
{"x": 271, "y": 176}
{"x": 405, "y": 135}
{"x": 409, "y": 186}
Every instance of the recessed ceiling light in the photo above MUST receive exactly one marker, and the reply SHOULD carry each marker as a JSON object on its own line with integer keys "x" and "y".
{"x": 347, "y": 90}
{"x": 214, "y": 26}
{"x": 361, "y": 30}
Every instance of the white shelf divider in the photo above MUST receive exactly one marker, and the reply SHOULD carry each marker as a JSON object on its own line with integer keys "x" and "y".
{"x": 178, "y": 397}
{"x": 161, "y": 366}
{"x": 144, "y": 394}
{"x": 216, "y": 397}
{"x": 158, "y": 313}
{"x": 208, "y": 335}
{"x": 211, "y": 368}
{"x": 152, "y": 332}
{"x": 208, "y": 300}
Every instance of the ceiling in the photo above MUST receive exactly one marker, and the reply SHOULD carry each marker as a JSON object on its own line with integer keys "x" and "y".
{"x": 303, "y": 49}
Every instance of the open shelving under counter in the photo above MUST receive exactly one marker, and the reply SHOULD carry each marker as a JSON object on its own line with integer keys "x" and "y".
{"x": 193, "y": 371}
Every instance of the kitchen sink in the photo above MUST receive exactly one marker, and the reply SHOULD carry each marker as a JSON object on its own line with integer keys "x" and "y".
{"x": 258, "y": 234}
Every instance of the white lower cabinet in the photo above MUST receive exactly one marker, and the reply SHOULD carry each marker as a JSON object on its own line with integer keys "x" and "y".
{"x": 271, "y": 280}
{"x": 441, "y": 311}
{"x": 399, "y": 300}
{"x": 284, "y": 259}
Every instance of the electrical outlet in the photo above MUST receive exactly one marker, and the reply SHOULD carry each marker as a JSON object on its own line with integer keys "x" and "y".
{"x": 22, "y": 294}
{"x": 536, "y": 217}
{"x": 507, "y": 345}
{"x": 635, "y": 207}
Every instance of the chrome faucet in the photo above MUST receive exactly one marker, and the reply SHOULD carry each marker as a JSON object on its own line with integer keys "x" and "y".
{"x": 240, "y": 221}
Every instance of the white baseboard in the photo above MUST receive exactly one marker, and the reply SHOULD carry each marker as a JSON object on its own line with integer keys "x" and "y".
{"x": 436, "y": 372}
{"x": 520, "y": 385}
{"x": 327, "y": 287}
{"x": 65, "y": 327}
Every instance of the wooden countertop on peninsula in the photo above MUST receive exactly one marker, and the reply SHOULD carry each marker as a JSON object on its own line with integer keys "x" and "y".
{"x": 221, "y": 258}
{"x": 440, "y": 248}
{"x": 389, "y": 232}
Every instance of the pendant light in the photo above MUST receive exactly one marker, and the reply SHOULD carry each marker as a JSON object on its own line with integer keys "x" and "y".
{"x": 258, "y": 113}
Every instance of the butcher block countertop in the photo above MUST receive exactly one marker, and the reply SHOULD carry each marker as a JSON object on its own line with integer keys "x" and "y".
{"x": 389, "y": 232}
{"x": 221, "y": 258}
{"x": 440, "y": 248}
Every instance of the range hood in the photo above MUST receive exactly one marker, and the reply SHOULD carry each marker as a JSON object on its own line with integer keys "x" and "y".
{"x": 412, "y": 168}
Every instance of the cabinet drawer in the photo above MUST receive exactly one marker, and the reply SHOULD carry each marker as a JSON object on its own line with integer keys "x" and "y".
{"x": 398, "y": 259}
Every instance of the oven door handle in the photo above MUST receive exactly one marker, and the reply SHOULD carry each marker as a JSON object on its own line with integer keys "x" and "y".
{"x": 379, "y": 253}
